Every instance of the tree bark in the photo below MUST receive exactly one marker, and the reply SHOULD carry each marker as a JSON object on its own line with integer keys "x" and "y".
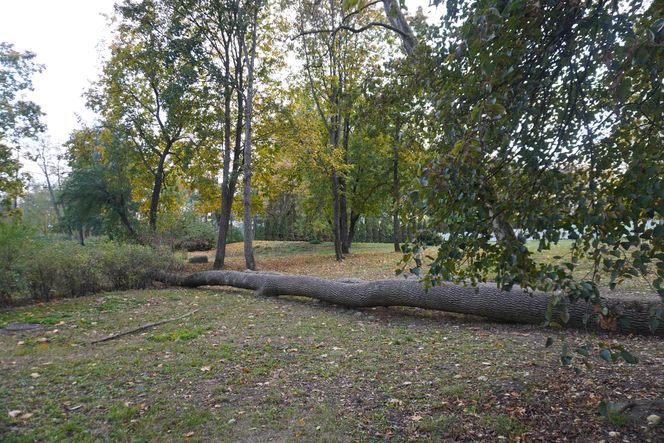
{"x": 398, "y": 20}
{"x": 396, "y": 222}
{"x": 224, "y": 215}
{"x": 343, "y": 201}
{"x": 124, "y": 218}
{"x": 81, "y": 236}
{"x": 230, "y": 173}
{"x": 51, "y": 193}
{"x": 343, "y": 216}
{"x": 248, "y": 231}
{"x": 485, "y": 301}
{"x": 336, "y": 225}
{"x": 352, "y": 228}
{"x": 156, "y": 192}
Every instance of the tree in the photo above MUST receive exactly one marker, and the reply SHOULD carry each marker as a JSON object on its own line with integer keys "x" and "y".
{"x": 222, "y": 26}
{"x": 151, "y": 88}
{"x": 485, "y": 300}
{"x": 49, "y": 163}
{"x": 19, "y": 119}
{"x": 248, "y": 218}
{"x": 337, "y": 66}
{"x": 98, "y": 188}
{"x": 549, "y": 121}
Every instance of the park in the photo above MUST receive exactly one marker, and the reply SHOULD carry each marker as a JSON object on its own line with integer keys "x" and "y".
{"x": 316, "y": 220}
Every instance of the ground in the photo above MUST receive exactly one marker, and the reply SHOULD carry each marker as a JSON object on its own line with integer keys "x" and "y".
{"x": 243, "y": 368}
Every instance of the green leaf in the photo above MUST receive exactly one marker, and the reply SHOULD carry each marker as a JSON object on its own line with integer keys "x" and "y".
{"x": 624, "y": 89}
{"x": 629, "y": 358}
{"x": 605, "y": 354}
{"x": 496, "y": 110}
{"x": 347, "y": 5}
{"x": 564, "y": 317}
{"x": 583, "y": 351}
{"x": 549, "y": 342}
{"x": 654, "y": 324}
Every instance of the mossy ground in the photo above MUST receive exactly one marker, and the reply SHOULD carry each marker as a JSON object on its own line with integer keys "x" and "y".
{"x": 244, "y": 368}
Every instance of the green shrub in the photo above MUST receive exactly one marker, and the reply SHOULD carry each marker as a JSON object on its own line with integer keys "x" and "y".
{"x": 63, "y": 268}
{"x": 187, "y": 231}
{"x": 126, "y": 266}
{"x": 15, "y": 247}
{"x": 50, "y": 267}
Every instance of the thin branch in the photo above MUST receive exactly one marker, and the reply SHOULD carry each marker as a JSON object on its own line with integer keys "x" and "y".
{"x": 357, "y": 11}
{"x": 353, "y": 30}
{"x": 142, "y": 328}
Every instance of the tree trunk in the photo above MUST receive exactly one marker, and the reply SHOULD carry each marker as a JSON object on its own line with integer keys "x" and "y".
{"x": 398, "y": 21}
{"x": 224, "y": 226}
{"x": 81, "y": 235}
{"x": 354, "y": 217}
{"x": 51, "y": 193}
{"x": 396, "y": 222}
{"x": 249, "y": 106}
{"x": 343, "y": 202}
{"x": 343, "y": 216}
{"x": 336, "y": 225}
{"x": 230, "y": 176}
{"x": 486, "y": 301}
{"x": 121, "y": 209}
{"x": 156, "y": 192}
{"x": 220, "y": 254}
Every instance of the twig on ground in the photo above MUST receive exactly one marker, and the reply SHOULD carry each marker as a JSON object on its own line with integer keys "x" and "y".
{"x": 142, "y": 328}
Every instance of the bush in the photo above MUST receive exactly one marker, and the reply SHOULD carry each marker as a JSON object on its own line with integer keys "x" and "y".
{"x": 45, "y": 268}
{"x": 126, "y": 266}
{"x": 15, "y": 246}
{"x": 187, "y": 231}
{"x": 63, "y": 268}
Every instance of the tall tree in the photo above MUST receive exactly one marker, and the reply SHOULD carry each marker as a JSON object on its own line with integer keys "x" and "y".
{"x": 19, "y": 119}
{"x": 248, "y": 217}
{"x": 98, "y": 189}
{"x": 336, "y": 65}
{"x": 151, "y": 87}
{"x": 549, "y": 121}
{"x": 48, "y": 161}
{"x": 222, "y": 25}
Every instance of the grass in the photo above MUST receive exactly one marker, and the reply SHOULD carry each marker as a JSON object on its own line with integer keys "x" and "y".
{"x": 291, "y": 369}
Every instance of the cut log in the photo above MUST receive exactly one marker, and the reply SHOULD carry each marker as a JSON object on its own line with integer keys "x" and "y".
{"x": 485, "y": 301}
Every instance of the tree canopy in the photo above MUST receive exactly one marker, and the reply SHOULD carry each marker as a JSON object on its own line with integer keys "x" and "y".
{"x": 19, "y": 119}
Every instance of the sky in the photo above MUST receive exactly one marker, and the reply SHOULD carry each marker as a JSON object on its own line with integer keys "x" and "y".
{"x": 68, "y": 37}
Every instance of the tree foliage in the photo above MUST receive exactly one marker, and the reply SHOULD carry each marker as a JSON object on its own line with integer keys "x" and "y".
{"x": 549, "y": 117}
{"x": 152, "y": 90}
{"x": 19, "y": 119}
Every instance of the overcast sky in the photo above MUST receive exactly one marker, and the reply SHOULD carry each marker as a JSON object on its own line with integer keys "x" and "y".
{"x": 68, "y": 37}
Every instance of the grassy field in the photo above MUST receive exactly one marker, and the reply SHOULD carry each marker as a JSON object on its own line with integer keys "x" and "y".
{"x": 243, "y": 368}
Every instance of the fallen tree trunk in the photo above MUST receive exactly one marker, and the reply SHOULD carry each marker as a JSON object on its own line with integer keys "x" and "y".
{"x": 487, "y": 301}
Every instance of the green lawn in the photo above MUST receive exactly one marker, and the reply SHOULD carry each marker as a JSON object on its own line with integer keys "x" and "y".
{"x": 254, "y": 369}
